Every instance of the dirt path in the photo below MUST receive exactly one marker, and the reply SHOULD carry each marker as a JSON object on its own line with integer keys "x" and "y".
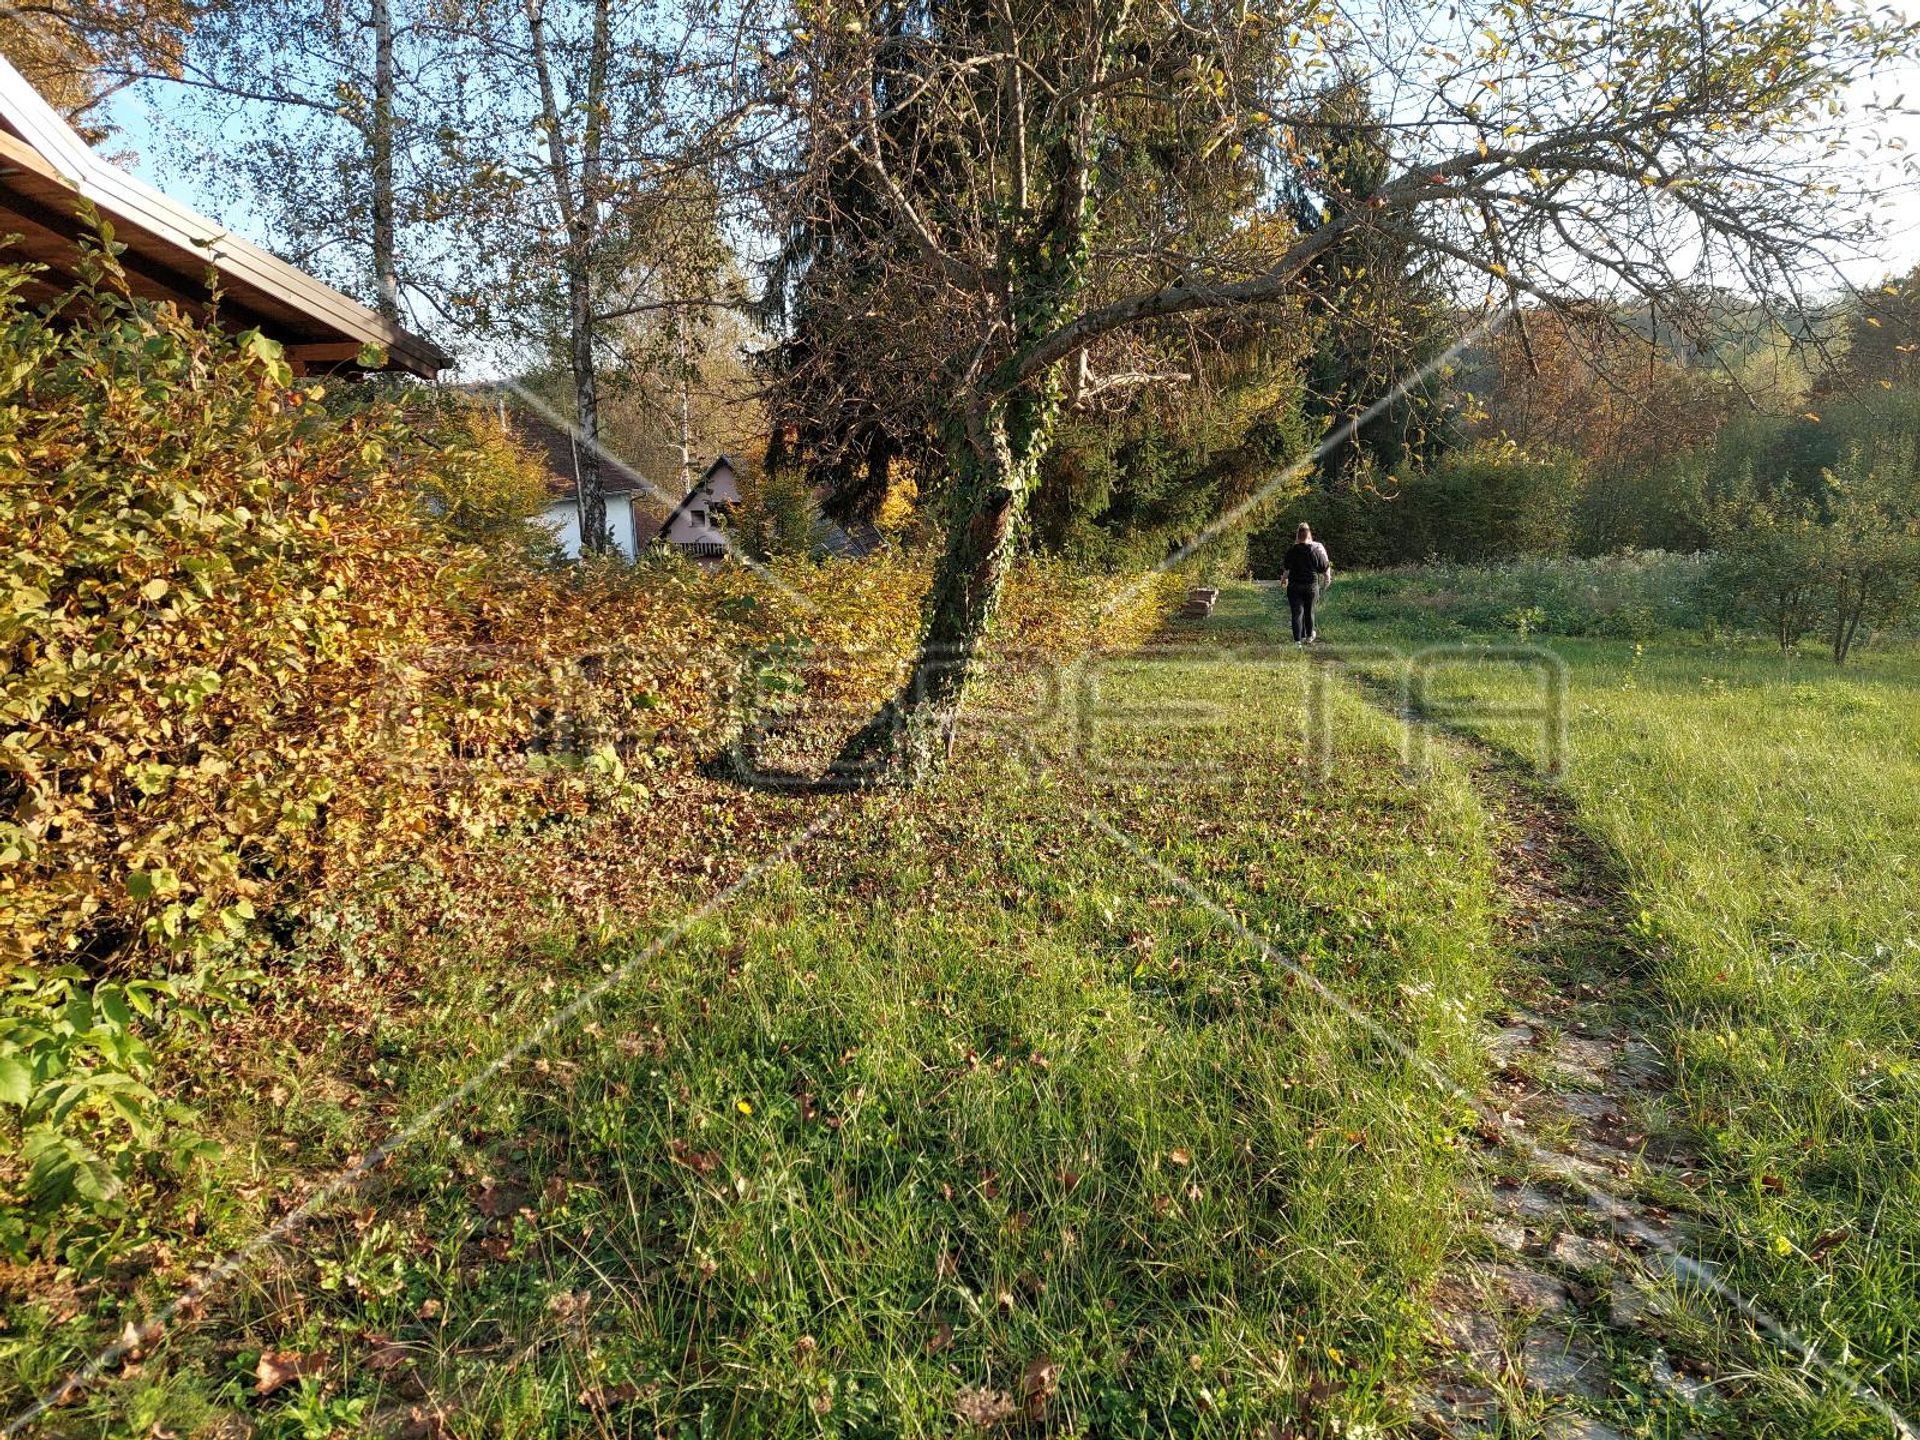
{"x": 1561, "y": 1315}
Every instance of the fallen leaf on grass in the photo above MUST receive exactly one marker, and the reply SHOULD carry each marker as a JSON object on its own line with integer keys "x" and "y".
{"x": 285, "y": 1367}
{"x": 135, "y": 1339}
{"x": 983, "y": 1408}
{"x": 701, "y": 1162}
{"x": 385, "y": 1354}
{"x": 1038, "y": 1382}
{"x": 605, "y": 1397}
{"x": 497, "y": 1202}
{"x": 424, "y": 1424}
{"x": 570, "y": 1307}
{"x": 1825, "y": 1243}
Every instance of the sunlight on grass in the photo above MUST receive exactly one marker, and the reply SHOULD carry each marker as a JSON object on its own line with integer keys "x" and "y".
{"x": 1765, "y": 813}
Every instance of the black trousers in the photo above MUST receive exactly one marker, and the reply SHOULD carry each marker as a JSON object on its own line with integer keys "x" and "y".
{"x": 1300, "y": 603}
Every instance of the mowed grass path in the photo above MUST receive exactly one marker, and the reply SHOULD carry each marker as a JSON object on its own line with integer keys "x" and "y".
{"x": 960, "y": 1117}
{"x": 1766, "y": 815}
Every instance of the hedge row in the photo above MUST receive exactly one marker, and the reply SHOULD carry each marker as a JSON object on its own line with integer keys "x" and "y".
{"x": 260, "y": 635}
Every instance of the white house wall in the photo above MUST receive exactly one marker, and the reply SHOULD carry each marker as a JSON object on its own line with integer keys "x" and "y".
{"x": 685, "y": 530}
{"x": 620, "y": 521}
{"x": 562, "y": 518}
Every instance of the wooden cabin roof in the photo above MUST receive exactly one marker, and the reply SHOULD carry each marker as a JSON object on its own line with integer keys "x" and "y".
{"x": 46, "y": 170}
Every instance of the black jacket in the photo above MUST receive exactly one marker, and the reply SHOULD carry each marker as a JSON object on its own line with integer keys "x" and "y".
{"x": 1306, "y": 561}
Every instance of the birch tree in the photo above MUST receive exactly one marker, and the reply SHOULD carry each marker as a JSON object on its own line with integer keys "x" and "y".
{"x": 601, "y": 244}
{"x": 346, "y": 125}
{"x": 511, "y": 173}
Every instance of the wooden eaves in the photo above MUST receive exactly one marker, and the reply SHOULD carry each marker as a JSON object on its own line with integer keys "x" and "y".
{"x": 46, "y": 170}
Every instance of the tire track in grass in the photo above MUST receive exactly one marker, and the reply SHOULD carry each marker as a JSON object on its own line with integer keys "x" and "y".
{"x": 1582, "y": 1310}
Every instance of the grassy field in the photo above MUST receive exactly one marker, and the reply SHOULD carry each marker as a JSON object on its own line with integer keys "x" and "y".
{"x": 1012, "y": 1107}
{"x": 1764, "y": 812}
{"x": 958, "y": 1114}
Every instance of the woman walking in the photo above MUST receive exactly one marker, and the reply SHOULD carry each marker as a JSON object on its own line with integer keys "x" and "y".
{"x": 1307, "y": 568}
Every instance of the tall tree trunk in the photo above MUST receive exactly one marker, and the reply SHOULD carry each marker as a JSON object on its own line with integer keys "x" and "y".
{"x": 595, "y": 534}
{"x": 580, "y": 213}
{"x": 995, "y": 457}
{"x": 386, "y": 273}
{"x": 1850, "y": 611}
{"x": 686, "y": 415}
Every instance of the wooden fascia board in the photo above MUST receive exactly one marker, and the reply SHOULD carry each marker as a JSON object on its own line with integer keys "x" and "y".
{"x": 53, "y": 152}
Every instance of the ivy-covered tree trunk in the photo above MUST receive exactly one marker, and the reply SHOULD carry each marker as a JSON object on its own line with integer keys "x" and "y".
{"x": 996, "y": 434}
{"x": 994, "y": 457}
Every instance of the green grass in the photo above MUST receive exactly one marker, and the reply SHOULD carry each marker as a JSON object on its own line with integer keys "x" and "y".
{"x": 960, "y": 1107}
{"x": 1765, "y": 815}
{"x": 964, "y": 1107}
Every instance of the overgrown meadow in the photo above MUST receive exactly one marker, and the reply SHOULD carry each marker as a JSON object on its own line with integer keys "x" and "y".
{"x": 438, "y": 930}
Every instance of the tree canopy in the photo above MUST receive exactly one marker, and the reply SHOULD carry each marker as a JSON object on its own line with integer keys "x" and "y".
{"x": 77, "y": 52}
{"x": 1015, "y": 192}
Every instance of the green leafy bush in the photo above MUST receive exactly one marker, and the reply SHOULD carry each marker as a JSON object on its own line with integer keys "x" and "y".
{"x": 1844, "y": 563}
{"x": 207, "y": 569}
{"x": 1489, "y": 503}
{"x": 262, "y": 639}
